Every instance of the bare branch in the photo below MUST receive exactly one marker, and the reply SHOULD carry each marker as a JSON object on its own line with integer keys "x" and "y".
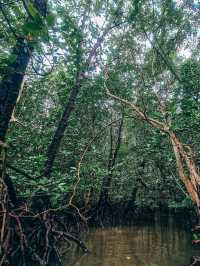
{"x": 142, "y": 115}
{"x": 8, "y": 21}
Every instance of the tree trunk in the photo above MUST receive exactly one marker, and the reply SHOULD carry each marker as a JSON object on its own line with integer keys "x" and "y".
{"x": 59, "y": 133}
{"x": 11, "y": 83}
{"x": 104, "y": 195}
{"x": 185, "y": 164}
{"x": 190, "y": 182}
{"x": 10, "y": 86}
{"x": 54, "y": 146}
{"x": 14, "y": 74}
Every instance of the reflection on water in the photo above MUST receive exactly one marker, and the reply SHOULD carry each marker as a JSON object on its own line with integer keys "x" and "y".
{"x": 136, "y": 246}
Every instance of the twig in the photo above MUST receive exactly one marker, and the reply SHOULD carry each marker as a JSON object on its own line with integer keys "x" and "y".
{"x": 9, "y": 3}
{"x": 3, "y": 144}
{"x": 20, "y": 171}
{"x": 8, "y": 21}
{"x": 74, "y": 239}
{"x": 84, "y": 153}
{"x": 4, "y": 219}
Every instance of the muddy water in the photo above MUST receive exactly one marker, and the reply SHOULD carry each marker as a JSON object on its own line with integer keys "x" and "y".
{"x": 136, "y": 246}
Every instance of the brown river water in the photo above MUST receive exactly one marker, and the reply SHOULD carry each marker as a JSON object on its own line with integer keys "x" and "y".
{"x": 153, "y": 245}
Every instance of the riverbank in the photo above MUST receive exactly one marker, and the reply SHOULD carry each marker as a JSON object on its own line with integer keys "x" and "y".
{"x": 128, "y": 214}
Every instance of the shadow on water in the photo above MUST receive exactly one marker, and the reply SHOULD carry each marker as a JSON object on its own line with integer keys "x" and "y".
{"x": 152, "y": 245}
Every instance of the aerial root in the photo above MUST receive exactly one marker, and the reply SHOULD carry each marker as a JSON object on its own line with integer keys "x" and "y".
{"x": 33, "y": 240}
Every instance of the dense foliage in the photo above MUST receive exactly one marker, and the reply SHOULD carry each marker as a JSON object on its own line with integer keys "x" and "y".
{"x": 70, "y": 139}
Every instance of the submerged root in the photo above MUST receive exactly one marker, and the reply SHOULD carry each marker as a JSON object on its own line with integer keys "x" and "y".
{"x": 28, "y": 239}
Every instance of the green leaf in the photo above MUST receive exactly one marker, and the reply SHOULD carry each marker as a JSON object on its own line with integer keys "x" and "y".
{"x": 17, "y": 11}
{"x": 35, "y": 15}
{"x": 12, "y": 59}
{"x": 31, "y": 26}
{"x": 50, "y": 19}
{"x": 32, "y": 10}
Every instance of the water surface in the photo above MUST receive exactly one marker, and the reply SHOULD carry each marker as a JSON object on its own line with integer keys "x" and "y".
{"x": 136, "y": 246}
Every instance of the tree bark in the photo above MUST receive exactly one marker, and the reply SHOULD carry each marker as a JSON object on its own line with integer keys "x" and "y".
{"x": 62, "y": 125}
{"x": 11, "y": 83}
{"x": 10, "y": 86}
{"x": 185, "y": 164}
{"x": 104, "y": 195}
{"x": 54, "y": 145}
{"x": 190, "y": 182}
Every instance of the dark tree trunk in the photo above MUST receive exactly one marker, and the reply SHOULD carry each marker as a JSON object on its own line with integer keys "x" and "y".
{"x": 11, "y": 83}
{"x": 10, "y": 190}
{"x": 54, "y": 146}
{"x": 10, "y": 86}
{"x": 58, "y": 135}
{"x": 104, "y": 195}
{"x": 9, "y": 89}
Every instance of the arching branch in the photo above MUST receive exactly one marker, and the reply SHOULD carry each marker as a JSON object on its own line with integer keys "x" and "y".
{"x": 191, "y": 181}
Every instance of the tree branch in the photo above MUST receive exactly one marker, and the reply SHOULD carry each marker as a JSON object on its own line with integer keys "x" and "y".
{"x": 19, "y": 171}
{"x": 54, "y": 145}
{"x": 157, "y": 124}
{"x": 8, "y": 21}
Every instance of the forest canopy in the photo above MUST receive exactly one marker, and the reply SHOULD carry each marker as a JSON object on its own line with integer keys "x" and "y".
{"x": 99, "y": 105}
